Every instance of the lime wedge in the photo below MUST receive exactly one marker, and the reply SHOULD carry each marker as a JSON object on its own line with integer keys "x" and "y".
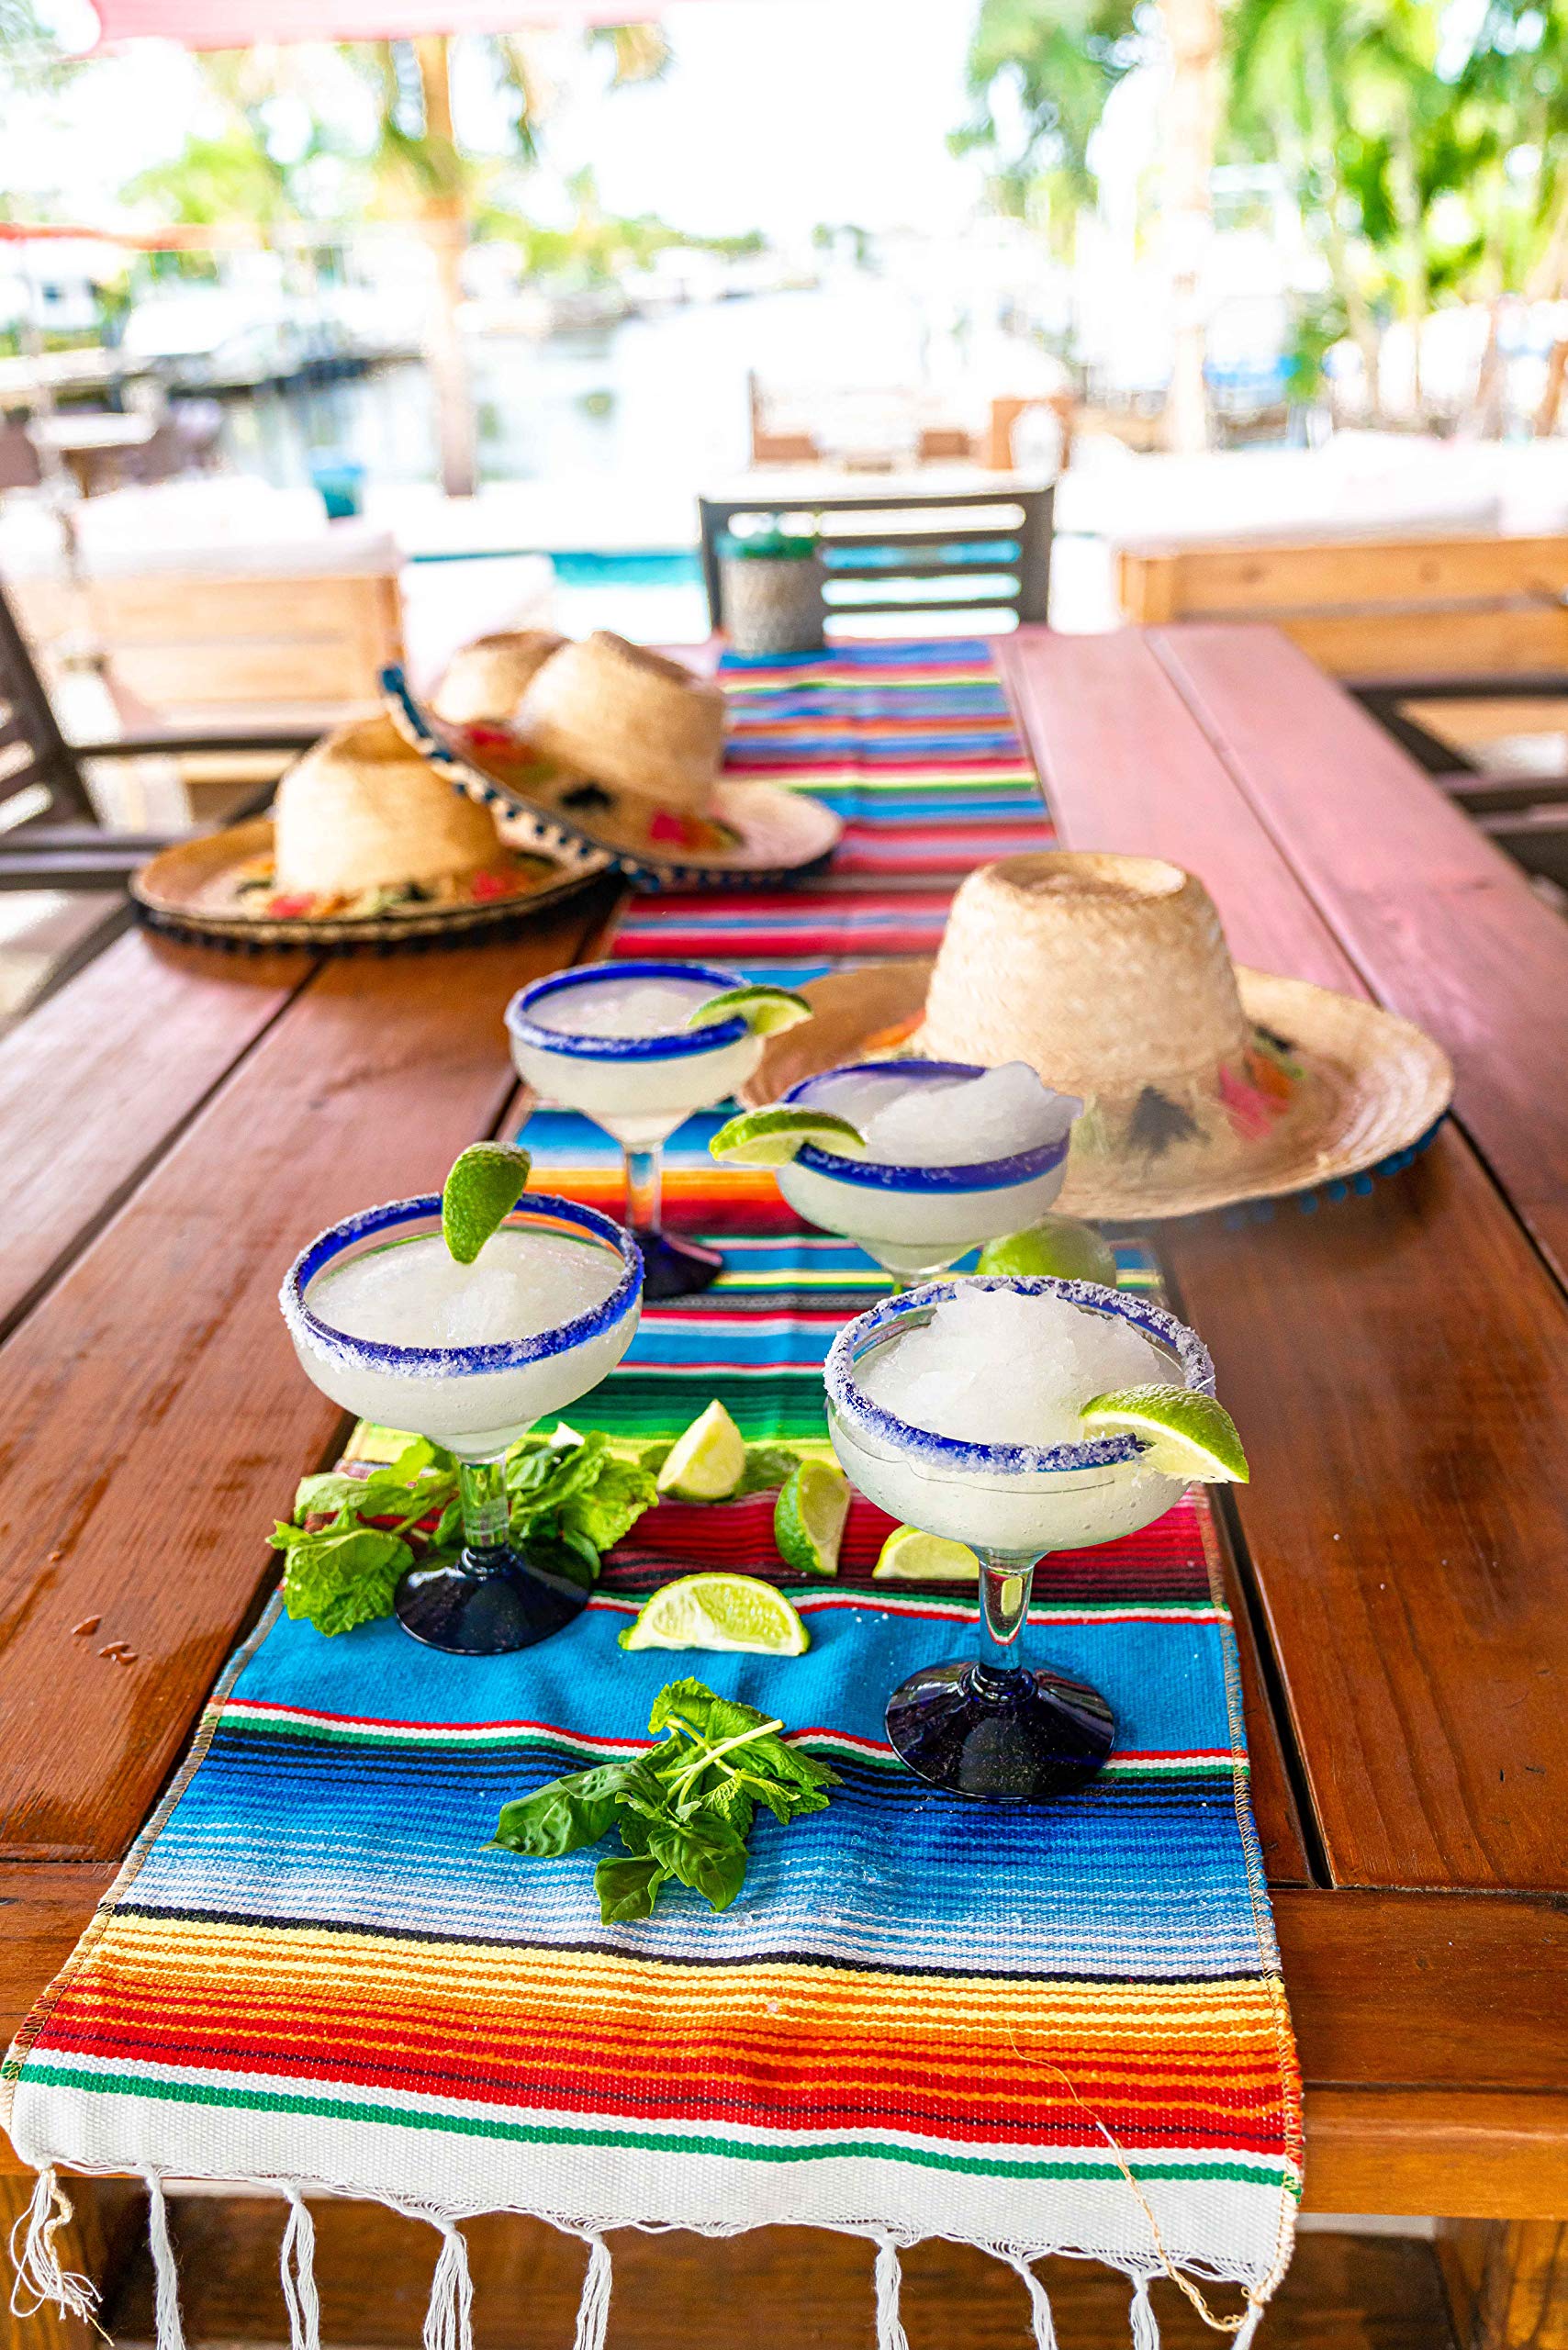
{"x": 719, "y": 1612}
{"x": 764, "y": 1009}
{"x": 1058, "y": 1246}
{"x": 1187, "y": 1436}
{"x": 769, "y": 1137}
{"x": 809, "y": 1518}
{"x": 486, "y": 1183}
{"x": 707, "y": 1462}
{"x": 912, "y": 1557}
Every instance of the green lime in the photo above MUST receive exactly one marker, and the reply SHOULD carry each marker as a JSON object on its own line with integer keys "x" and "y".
{"x": 707, "y": 1462}
{"x": 1187, "y": 1436}
{"x": 719, "y": 1612}
{"x": 912, "y": 1557}
{"x": 485, "y": 1185}
{"x": 764, "y": 1009}
{"x": 1058, "y": 1246}
{"x": 769, "y": 1137}
{"x": 809, "y": 1515}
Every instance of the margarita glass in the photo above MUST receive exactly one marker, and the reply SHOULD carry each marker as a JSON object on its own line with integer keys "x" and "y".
{"x": 387, "y": 1323}
{"x": 916, "y": 1221}
{"x": 995, "y": 1727}
{"x": 612, "y": 1040}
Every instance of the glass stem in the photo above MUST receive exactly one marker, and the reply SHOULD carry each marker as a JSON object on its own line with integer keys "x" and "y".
{"x": 487, "y": 1516}
{"x": 1004, "y": 1587}
{"x": 644, "y": 1186}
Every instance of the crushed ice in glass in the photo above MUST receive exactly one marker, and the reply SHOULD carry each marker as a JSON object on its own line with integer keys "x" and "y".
{"x": 999, "y": 1366}
{"x": 967, "y": 1120}
{"x": 631, "y": 1007}
{"x": 416, "y": 1294}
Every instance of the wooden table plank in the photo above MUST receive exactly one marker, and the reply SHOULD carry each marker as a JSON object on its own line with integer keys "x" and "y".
{"x": 1437, "y": 918}
{"x": 151, "y": 1409}
{"x": 1405, "y": 1524}
{"x": 95, "y": 1082}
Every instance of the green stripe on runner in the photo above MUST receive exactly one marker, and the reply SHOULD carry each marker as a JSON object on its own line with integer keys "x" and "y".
{"x": 649, "y": 2141}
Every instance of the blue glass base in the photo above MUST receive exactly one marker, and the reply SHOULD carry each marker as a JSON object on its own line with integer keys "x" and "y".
{"x": 1019, "y": 1737}
{"x": 495, "y": 1606}
{"x": 675, "y": 1268}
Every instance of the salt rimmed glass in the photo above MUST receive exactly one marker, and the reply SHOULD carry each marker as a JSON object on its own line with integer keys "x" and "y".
{"x": 639, "y": 1088}
{"x": 992, "y": 1726}
{"x": 915, "y": 1221}
{"x": 475, "y": 1400}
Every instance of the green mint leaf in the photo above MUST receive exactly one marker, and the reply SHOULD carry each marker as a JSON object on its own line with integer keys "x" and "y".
{"x": 627, "y": 1889}
{"x": 692, "y": 1706}
{"x": 565, "y": 1814}
{"x": 328, "y": 1491}
{"x": 653, "y": 1456}
{"x": 704, "y": 1853}
{"x": 340, "y": 1578}
{"x": 766, "y": 1465}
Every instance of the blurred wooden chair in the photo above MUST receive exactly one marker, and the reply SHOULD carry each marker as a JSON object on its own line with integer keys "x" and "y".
{"x": 1475, "y": 604}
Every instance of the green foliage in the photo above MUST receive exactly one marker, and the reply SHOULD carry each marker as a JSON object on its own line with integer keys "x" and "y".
{"x": 682, "y": 1811}
{"x": 1052, "y": 64}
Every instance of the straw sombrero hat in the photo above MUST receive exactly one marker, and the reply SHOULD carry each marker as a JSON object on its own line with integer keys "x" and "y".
{"x": 365, "y": 845}
{"x": 617, "y": 748}
{"x": 487, "y": 679}
{"x": 1204, "y": 1083}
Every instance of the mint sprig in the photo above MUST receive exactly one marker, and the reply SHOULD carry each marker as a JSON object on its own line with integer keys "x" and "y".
{"x": 682, "y": 1811}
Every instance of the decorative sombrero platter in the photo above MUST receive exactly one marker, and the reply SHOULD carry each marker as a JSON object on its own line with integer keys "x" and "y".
{"x": 609, "y": 747}
{"x": 1205, "y": 1084}
{"x": 367, "y": 850}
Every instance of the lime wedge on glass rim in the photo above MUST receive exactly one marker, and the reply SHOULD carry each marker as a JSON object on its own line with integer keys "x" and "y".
{"x": 764, "y": 1009}
{"x": 1187, "y": 1435}
{"x": 772, "y": 1137}
{"x": 719, "y": 1612}
{"x": 486, "y": 1183}
{"x": 913, "y": 1557}
{"x": 809, "y": 1518}
{"x": 708, "y": 1462}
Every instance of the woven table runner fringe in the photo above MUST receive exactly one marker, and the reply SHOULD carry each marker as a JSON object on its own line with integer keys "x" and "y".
{"x": 449, "y": 2320}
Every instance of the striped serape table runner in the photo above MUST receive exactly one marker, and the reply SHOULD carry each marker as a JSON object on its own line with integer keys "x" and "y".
{"x": 1056, "y": 2030}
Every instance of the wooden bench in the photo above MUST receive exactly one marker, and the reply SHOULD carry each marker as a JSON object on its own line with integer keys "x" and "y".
{"x": 1471, "y": 603}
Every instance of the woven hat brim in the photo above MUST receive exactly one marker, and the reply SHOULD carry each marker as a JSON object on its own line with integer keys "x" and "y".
{"x": 180, "y": 891}
{"x": 1378, "y": 1085}
{"x": 778, "y": 832}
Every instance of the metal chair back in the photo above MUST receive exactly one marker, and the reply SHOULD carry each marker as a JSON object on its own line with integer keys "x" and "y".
{"x": 39, "y": 776}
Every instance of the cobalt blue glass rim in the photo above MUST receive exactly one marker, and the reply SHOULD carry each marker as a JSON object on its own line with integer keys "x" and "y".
{"x": 456, "y": 1362}
{"x": 678, "y": 1046}
{"x": 883, "y": 1175}
{"x": 945, "y": 1452}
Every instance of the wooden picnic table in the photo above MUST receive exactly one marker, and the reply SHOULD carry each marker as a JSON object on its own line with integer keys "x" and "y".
{"x": 177, "y": 1121}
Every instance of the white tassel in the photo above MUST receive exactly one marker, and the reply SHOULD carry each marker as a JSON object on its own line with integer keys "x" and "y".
{"x": 166, "y": 2294}
{"x": 1146, "y": 2325}
{"x": 1249, "y": 2325}
{"x": 449, "y": 2321}
{"x": 297, "y": 2265}
{"x": 39, "y": 2277}
{"x": 593, "y": 2310}
{"x": 890, "y": 2334}
{"x": 1039, "y": 2302}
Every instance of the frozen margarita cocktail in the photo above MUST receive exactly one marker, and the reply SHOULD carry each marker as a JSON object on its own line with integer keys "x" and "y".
{"x": 469, "y": 1351}
{"x": 639, "y": 1046}
{"x": 917, "y": 1161}
{"x": 1019, "y": 1416}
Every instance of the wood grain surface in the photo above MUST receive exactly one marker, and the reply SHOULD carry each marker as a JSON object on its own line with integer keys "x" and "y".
{"x": 1404, "y": 1523}
{"x": 95, "y": 1082}
{"x": 151, "y": 1411}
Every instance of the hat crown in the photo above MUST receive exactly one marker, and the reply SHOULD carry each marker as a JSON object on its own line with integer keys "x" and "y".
{"x": 1107, "y": 973}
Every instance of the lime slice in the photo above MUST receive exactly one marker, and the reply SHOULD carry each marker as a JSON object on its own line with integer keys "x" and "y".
{"x": 1187, "y": 1436}
{"x": 1058, "y": 1246}
{"x": 769, "y": 1137}
{"x": 764, "y": 1009}
{"x": 707, "y": 1462}
{"x": 809, "y": 1515}
{"x": 719, "y": 1612}
{"x": 913, "y": 1557}
{"x": 486, "y": 1183}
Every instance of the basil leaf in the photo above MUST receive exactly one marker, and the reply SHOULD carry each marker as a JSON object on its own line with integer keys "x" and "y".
{"x": 340, "y": 1578}
{"x": 766, "y": 1465}
{"x": 563, "y": 1815}
{"x": 704, "y": 1854}
{"x": 627, "y": 1889}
